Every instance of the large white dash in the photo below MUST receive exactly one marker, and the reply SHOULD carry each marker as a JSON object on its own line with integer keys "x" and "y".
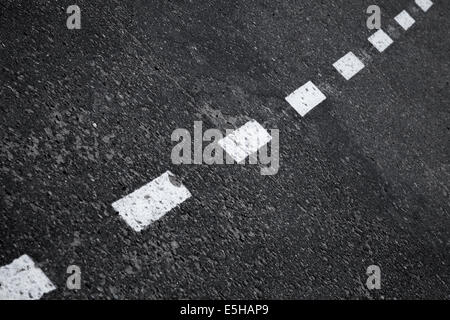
{"x": 305, "y": 98}
{"x": 349, "y": 65}
{"x": 424, "y": 4}
{"x": 245, "y": 141}
{"x": 22, "y": 280}
{"x": 152, "y": 201}
{"x": 404, "y": 20}
{"x": 380, "y": 40}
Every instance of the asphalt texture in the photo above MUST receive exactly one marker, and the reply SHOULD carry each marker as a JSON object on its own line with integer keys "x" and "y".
{"x": 87, "y": 115}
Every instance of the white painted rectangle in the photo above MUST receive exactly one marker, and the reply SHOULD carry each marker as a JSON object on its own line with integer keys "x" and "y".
{"x": 405, "y": 20}
{"x": 245, "y": 141}
{"x": 349, "y": 65}
{"x": 424, "y": 4}
{"x": 152, "y": 201}
{"x": 22, "y": 280}
{"x": 380, "y": 40}
{"x": 305, "y": 98}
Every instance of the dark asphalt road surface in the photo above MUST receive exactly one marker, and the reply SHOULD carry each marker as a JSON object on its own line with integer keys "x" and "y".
{"x": 87, "y": 115}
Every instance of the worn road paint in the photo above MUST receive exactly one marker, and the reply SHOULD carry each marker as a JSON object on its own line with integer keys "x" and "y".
{"x": 22, "y": 280}
{"x": 305, "y": 98}
{"x": 245, "y": 141}
{"x": 349, "y": 65}
{"x": 152, "y": 201}
{"x": 404, "y": 20}
{"x": 424, "y": 4}
{"x": 380, "y": 40}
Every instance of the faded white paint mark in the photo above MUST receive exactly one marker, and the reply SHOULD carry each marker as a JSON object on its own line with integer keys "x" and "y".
{"x": 152, "y": 201}
{"x": 22, "y": 280}
{"x": 305, "y": 98}
{"x": 404, "y": 20}
{"x": 380, "y": 40}
{"x": 245, "y": 141}
{"x": 349, "y": 65}
{"x": 424, "y": 4}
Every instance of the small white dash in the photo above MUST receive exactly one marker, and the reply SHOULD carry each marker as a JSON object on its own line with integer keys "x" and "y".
{"x": 22, "y": 280}
{"x": 404, "y": 20}
{"x": 349, "y": 65}
{"x": 424, "y": 4}
{"x": 152, "y": 201}
{"x": 305, "y": 98}
{"x": 380, "y": 40}
{"x": 245, "y": 141}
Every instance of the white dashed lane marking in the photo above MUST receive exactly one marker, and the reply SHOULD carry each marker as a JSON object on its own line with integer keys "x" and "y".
{"x": 424, "y": 4}
{"x": 152, "y": 201}
{"x": 245, "y": 141}
{"x": 22, "y": 280}
{"x": 380, "y": 40}
{"x": 349, "y": 65}
{"x": 404, "y": 20}
{"x": 305, "y": 98}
